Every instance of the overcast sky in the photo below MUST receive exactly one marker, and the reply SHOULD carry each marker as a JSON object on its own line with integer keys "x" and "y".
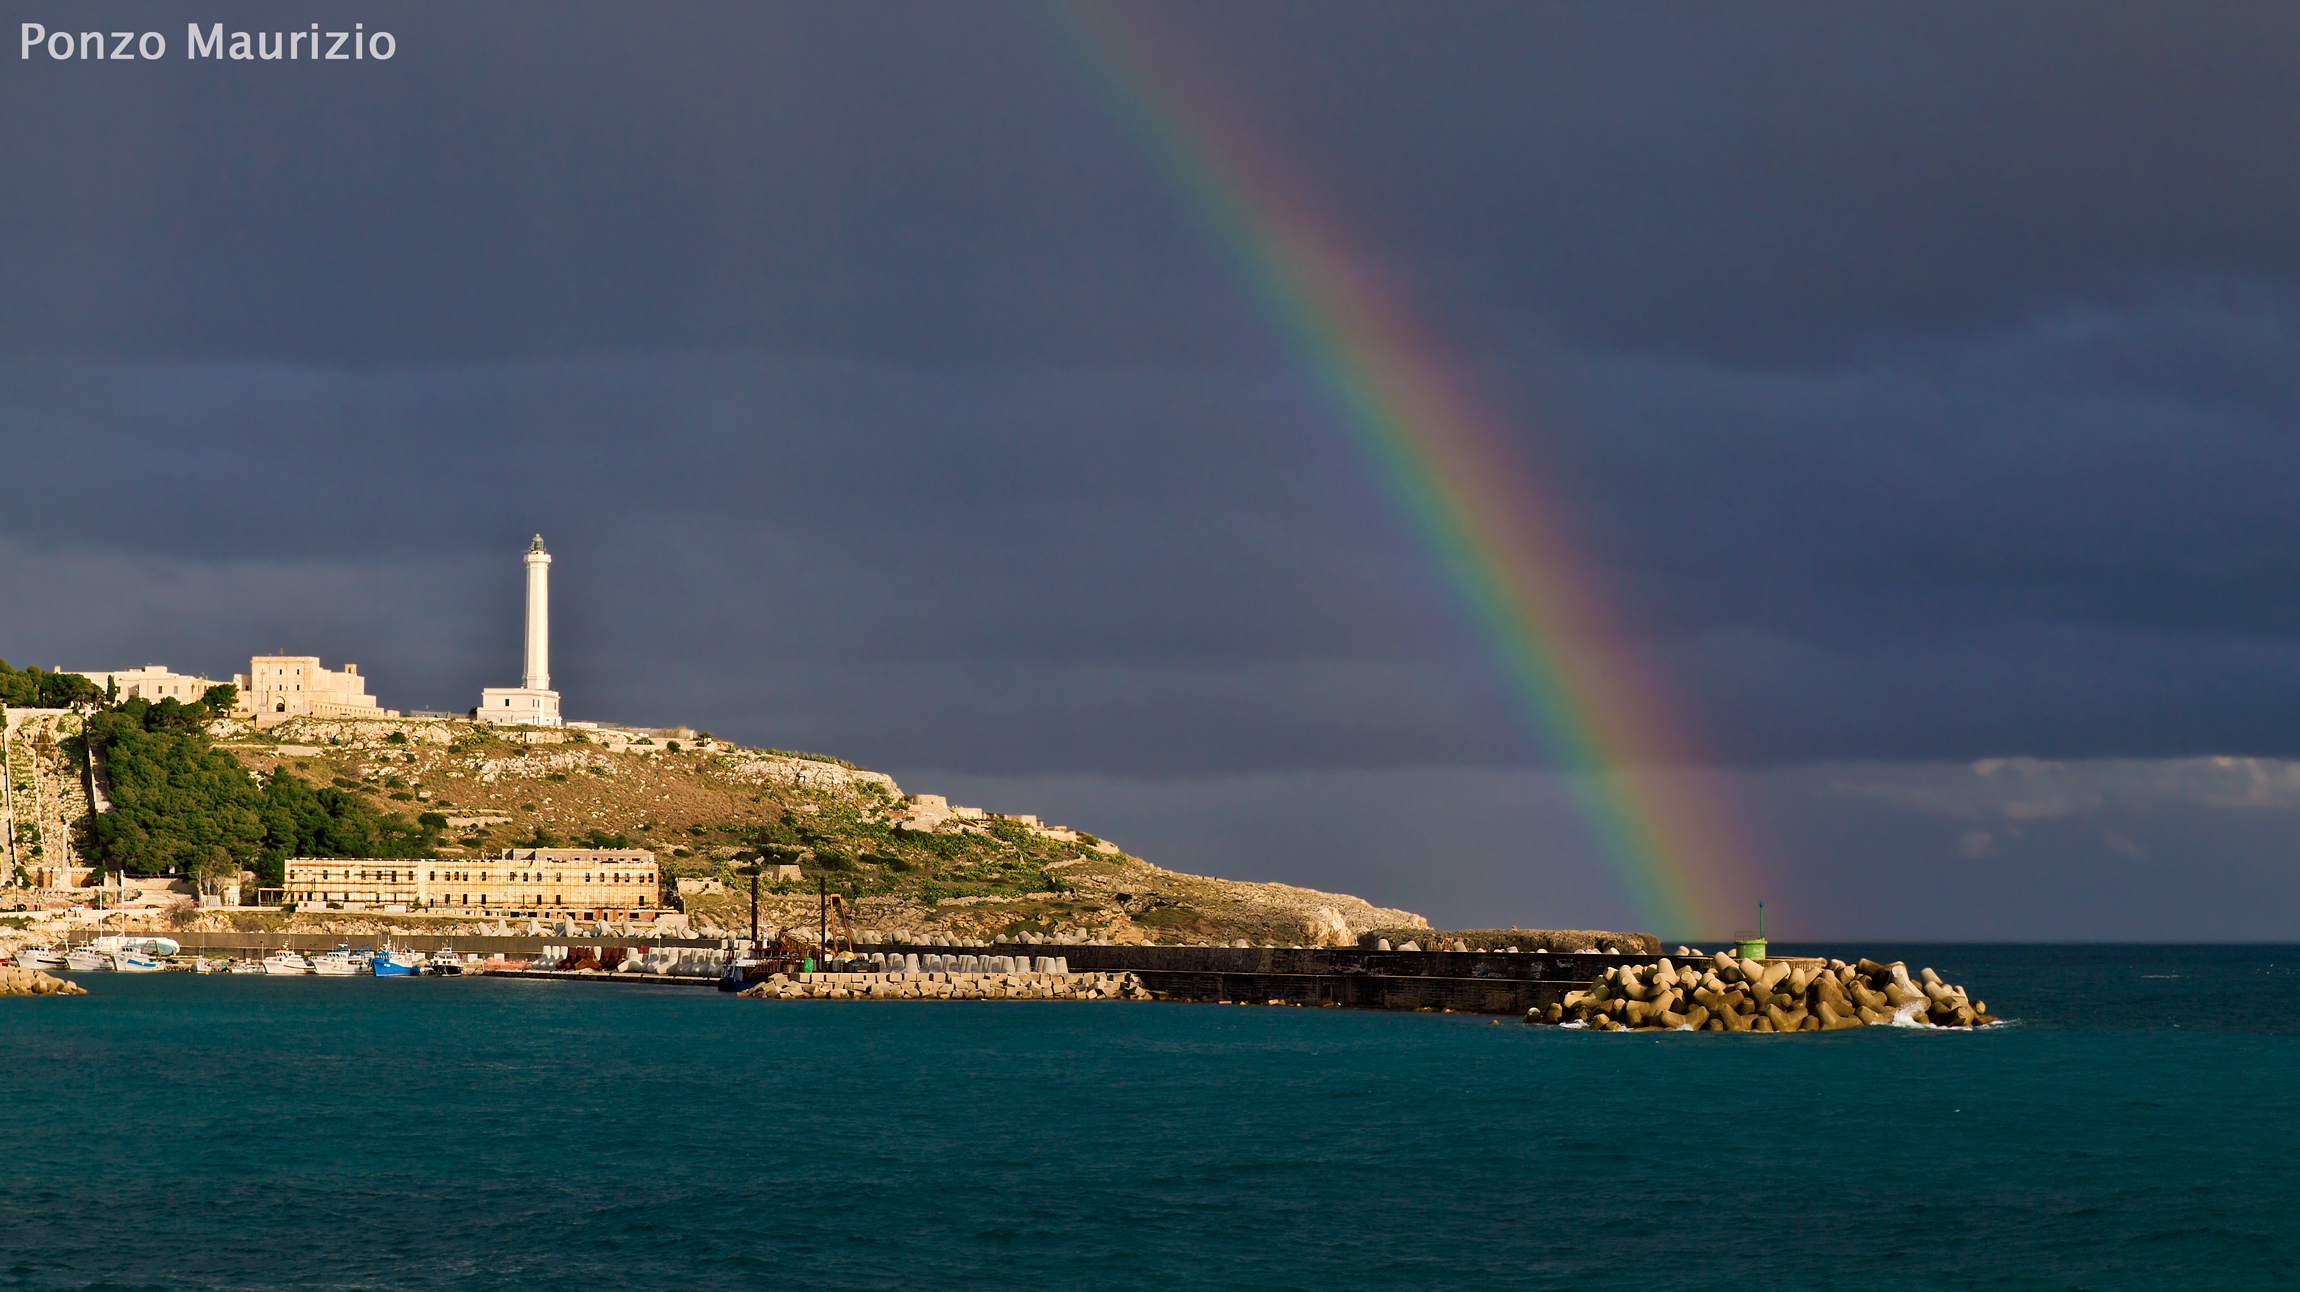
{"x": 1921, "y": 380}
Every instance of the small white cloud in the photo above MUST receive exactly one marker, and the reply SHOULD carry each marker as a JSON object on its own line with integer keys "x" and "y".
{"x": 2031, "y": 789}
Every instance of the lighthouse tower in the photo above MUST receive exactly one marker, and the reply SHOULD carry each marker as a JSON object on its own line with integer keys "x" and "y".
{"x": 532, "y": 702}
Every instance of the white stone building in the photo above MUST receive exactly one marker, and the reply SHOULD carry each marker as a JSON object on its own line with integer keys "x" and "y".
{"x": 296, "y": 684}
{"x": 586, "y": 883}
{"x": 532, "y": 702}
{"x": 153, "y": 682}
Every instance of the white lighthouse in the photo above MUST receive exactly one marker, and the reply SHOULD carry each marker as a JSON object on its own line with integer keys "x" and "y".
{"x": 532, "y": 702}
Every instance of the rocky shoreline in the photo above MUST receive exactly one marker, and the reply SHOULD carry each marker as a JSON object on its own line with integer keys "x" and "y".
{"x": 1778, "y": 994}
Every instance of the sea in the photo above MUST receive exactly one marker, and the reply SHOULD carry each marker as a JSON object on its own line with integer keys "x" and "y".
{"x": 2132, "y": 1123}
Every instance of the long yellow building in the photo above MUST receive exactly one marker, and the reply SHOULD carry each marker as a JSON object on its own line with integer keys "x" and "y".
{"x": 585, "y": 883}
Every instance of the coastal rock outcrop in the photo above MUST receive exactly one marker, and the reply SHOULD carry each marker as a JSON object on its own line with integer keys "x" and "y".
{"x": 32, "y": 982}
{"x": 1778, "y": 994}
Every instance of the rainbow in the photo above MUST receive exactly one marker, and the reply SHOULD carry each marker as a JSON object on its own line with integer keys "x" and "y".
{"x": 1669, "y": 841}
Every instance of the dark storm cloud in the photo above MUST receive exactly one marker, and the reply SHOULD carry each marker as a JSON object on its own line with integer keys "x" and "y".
{"x": 1137, "y": 570}
{"x": 945, "y": 181}
{"x": 918, "y": 180}
{"x": 1785, "y": 183}
{"x": 2056, "y": 540}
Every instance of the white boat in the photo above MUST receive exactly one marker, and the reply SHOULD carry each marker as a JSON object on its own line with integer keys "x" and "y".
{"x": 286, "y": 962}
{"x": 39, "y": 958}
{"x": 248, "y": 966}
{"x": 134, "y": 962}
{"x": 86, "y": 960}
{"x": 201, "y": 965}
{"x": 336, "y": 964}
{"x": 157, "y": 947}
{"x": 443, "y": 961}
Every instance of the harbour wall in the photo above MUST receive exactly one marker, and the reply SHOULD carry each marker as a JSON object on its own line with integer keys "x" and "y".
{"x": 1483, "y": 982}
{"x": 1471, "y": 982}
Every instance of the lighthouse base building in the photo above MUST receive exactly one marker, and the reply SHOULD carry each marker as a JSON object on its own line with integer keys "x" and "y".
{"x": 517, "y": 706}
{"x": 532, "y": 703}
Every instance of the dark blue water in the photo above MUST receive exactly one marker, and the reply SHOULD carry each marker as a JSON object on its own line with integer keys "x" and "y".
{"x": 2136, "y": 1128}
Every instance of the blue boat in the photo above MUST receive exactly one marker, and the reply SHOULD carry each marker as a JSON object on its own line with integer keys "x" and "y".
{"x": 398, "y": 964}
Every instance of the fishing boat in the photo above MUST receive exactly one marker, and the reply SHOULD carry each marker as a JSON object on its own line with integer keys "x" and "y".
{"x": 200, "y": 965}
{"x": 247, "y": 966}
{"x": 133, "y": 962}
{"x": 157, "y": 947}
{"x": 288, "y": 962}
{"x": 335, "y": 964}
{"x": 397, "y": 964}
{"x": 443, "y": 961}
{"x": 39, "y": 958}
{"x": 86, "y": 960}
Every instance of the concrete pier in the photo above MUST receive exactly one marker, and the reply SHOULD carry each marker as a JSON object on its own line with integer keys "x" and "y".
{"x": 1479, "y": 982}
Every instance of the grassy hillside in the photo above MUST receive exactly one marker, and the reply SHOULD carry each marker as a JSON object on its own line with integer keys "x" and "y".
{"x": 707, "y": 807}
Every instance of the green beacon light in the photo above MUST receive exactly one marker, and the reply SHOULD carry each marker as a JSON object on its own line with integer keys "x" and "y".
{"x": 1751, "y": 946}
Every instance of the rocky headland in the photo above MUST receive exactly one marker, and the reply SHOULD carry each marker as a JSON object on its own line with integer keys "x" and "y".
{"x": 912, "y": 867}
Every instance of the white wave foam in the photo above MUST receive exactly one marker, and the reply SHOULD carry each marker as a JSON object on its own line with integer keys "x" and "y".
{"x": 1906, "y": 1015}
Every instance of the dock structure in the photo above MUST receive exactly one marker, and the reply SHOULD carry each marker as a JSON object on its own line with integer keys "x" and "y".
{"x": 1471, "y": 982}
{"x": 1468, "y": 982}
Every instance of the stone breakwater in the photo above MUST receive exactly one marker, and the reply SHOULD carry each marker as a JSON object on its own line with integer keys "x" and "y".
{"x": 948, "y": 986}
{"x": 32, "y": 982}
{"x": 1779, "y": 994}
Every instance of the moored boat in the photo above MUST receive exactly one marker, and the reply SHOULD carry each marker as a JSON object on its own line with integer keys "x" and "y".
{"x": 287, "y": 962}
{"x": 335, "y": 964}
{"x": 134, "y": 962}
{"x": 39, "y": 958}
{"x": 443, "y": 961}
{"x": 398, "y": 964}
{"x": 158, "y": 948}
{"x": 247, "y": 966}
{"x": 86, "y": 960}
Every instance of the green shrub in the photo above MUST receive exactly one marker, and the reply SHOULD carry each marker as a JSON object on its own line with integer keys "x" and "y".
{"x": 812, "y": 758}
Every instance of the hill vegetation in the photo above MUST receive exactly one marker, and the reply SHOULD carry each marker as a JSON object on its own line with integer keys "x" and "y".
{"x": 34, "y": 688}
{"x": 195, "y": 792}
{"x": 182, "y": 806}
{"x": 710, "y": 810}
